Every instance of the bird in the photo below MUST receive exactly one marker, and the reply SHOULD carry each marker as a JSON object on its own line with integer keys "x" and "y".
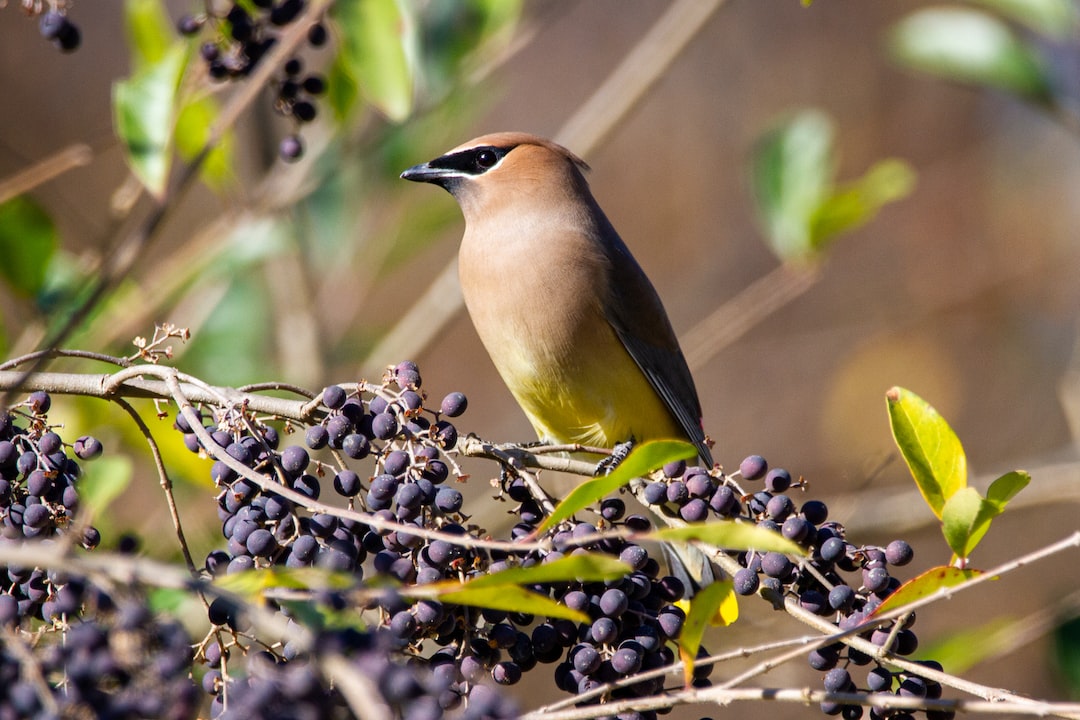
{"x": 572, "y": 324}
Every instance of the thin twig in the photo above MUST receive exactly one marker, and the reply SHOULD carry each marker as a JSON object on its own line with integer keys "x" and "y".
{"x": 57, "y": 353}
{"x": 166, "y": 482}
{"x": 44, "y": 170}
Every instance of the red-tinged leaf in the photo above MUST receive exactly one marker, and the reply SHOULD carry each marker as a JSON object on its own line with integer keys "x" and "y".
{"x": 930, "y": 448}
{"x": 642, "y": 460}
{"x": 928, "y": 583}
{"x": 709, "y": 603}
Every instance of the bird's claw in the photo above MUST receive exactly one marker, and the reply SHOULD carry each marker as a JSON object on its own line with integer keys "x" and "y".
{"x": 612, "y": 461}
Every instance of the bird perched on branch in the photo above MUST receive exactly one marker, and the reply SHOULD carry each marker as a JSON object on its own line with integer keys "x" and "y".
{"x": 573, "y": 325}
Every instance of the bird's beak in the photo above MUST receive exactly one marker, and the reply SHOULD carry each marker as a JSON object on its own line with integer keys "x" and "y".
{"x": 425, "y": 173}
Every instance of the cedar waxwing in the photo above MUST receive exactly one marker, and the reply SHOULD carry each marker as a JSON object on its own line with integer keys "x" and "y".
{"x": 574, "y": 327}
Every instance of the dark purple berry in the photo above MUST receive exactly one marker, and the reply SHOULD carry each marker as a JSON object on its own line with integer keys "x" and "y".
{"x": 317, "y": 35}
{"x": 778, "y": 480}
{"x": 334, "y": 396}
{"x": 454, "y": 404}
{"x": 898, "y": 553}
{"x": 753, "y": 467}
{"x": 314, "y": 85}
{"x": 189, "y": 24}
{"x": 291, "y": 148}
{"x": 50, "y": 24}
{"x": 39, "y": 402}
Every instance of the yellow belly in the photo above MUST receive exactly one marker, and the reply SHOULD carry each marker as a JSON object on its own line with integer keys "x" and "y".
{"x": 599, "y": 397}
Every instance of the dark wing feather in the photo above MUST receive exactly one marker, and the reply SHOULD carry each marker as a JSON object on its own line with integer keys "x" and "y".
{"x": 636, "y": 313}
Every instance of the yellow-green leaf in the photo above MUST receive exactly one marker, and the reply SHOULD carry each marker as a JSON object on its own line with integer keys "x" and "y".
{"x": 28, "y": 240}
{"x": 965, "y": 519}
{"x": 970, "y": 46}
{"x": 792, "y": 175}
{"x": 144, "y": 110}
{"x": 1056, "y": 18}
{"x": 642, "y": 460}
{"x": 858, "y": 202}
{"x": 729, "y": 535}
{"x": 961, "y": 650}
{"x": 583, "y": 567}
{"x": 930, "y": 447}
{"x": 102, "y": 481}
{"x": 1006, "y": 487}
{"x": 377, "y": 53}
{"x": 513, "y": 598}
{"x": 254, "y": 582}
{"x": 150, "y": 33}
{"x": 705, "y": 607}
{"x": 193, "y": 125}
{"x": 925, "y": 584}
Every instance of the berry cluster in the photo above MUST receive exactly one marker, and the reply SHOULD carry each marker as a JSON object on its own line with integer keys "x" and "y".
{"x": 284, "y": 685}
{"x": 407, "y": 444}
{"x": 632, "y": 621}
{"x": 383, "y": 451}
{"x": 120, "y": 662}
{"x": 242, "y": 34}
{"x": 820, "y": 583}
{"x": 39, "y": 500}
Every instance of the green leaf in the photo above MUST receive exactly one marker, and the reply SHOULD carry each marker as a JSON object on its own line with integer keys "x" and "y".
{"x": 961, "y": 650}
{"x": 704, "y": 607}
{"x": 27, "y": 242}
{"x": 729, "y": 535}
{"x": 102, "y": 481}
{"x": 144, "y": 108}
{"x": 859, "y": 202}
{"x": 253, "y": 582}
{"x": 168, "y": 600}
{"x": 965, "y": 520}
{"x": 149, "y": 31}
{"x": 376, "y": 54}
{"x": 504, "y": 590}
{"x": 1006, "y": 487}
{"x": 642, "y": 460}
{"x": 1067, "y": 653}
{"x": 792, "y": 175}
{"x": 928, "y": 583}
{"x": 342, "y": 89}
{"x": 1056, "y": 18}
{"x": 970, "y": 46}
{"x": 930, "y": 447}
{"x": 585, "y": 567}
{"x": 193, "y": 125}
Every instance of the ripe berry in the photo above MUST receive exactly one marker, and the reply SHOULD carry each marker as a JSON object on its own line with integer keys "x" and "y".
{"x": 291, "y": 148}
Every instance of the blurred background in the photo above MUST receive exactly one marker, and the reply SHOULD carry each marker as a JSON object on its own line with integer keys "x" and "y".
{"x": 956, "y": 277}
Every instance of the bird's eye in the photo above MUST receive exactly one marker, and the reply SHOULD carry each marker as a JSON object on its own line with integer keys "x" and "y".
{"x": 485, "y": 159}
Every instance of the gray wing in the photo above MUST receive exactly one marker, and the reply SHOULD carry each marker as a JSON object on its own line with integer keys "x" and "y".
{"x": 636, "y": 313}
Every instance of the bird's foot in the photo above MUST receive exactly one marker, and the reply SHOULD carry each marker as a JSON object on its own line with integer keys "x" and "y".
{"x": 612, "y": 461}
